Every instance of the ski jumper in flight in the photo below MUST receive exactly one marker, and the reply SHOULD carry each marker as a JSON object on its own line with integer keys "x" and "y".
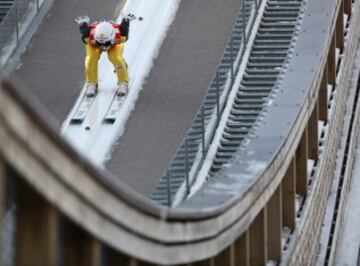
{"x": 105, "y": 36}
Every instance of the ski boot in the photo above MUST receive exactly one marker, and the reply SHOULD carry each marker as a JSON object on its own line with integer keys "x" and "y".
{"x": 91, "y": 89}
{"x": 122, "y": 89}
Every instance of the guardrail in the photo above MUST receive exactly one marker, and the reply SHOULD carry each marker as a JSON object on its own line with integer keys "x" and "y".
{"x": 67, "y": 209}
{"x": 14, "y": 25}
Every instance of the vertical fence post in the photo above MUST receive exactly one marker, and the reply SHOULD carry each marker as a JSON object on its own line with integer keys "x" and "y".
{"x": 243, "y": 33}
{"x": 203, "y": 131}
{"x": 187, "y": 167}
{"x": 16, "y": 22}
{"x": 168, "y": 187}
{"x": 2, "y": 206}
{"x": 37, "y": 6}
{"x": 244, "y": 24}
{"x": 232, "y": 60}
{"x": 217, "y": 97}
{"x": 36, "y": 230}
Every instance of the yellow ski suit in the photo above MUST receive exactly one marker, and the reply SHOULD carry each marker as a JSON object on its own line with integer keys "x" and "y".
{"x": 115, "y": 51}
{"x": 115, "y": 54}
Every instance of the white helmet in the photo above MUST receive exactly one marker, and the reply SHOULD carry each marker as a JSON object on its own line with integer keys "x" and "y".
{"x": 104, "y": 33}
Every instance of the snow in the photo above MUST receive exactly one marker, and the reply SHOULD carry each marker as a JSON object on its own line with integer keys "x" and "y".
{"x": 271, "y": 263}
{"x": 140, "y": 51}
{"x": 346, "y": 17}
{"x": 329, "y": 89}
{"x": 337, "y": 55}
{"x": 310, "y": 166}
{"x": 8, "y": 231}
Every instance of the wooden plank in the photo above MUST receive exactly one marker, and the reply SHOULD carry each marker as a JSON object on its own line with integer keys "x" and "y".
{"x": 2, "y": 198}
{"x": 258, "y": 239}
{"x": 2, "y": 189}
{"x": 242, "y": 250}
{"x": 288, "y": 196}
{"x": 313, "y": 134}
{"x": 224, "y": 258}
{"x": 331, "y": 64}
{"x": 93, "y": 249}
{"x": 347, "y": 6}
{"x": 274, "y": 225}
{"x": 79, "y": 248}
{"x": 323, "y": 96}
{"x": 301, "y": 165}
{"x": 134, "y": 262}
{"x": 115, "y": 258}
{"x": 340, "y": 27}
{"x": 37, "y": 229}
{"x": 208, "y": 262}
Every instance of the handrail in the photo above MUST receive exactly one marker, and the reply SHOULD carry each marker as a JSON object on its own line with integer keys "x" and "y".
{"x": 15, "y": 24}
{"x": 191, "y": 167}
{"x": 265, "y": 107}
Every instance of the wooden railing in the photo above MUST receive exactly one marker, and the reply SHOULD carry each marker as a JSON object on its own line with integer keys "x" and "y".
{"x": 67, "y": 212}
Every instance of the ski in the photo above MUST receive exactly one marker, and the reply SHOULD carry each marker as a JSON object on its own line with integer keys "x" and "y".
{"x": 82, "y": 110}
{"x": 113, "y": 112}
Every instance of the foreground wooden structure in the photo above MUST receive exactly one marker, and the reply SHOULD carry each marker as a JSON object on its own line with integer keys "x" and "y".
{"x": 70, "y": 212}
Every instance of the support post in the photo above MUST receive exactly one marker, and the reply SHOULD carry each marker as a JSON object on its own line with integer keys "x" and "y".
{"x": 79, "y": 248}
{"x": 225, "y": 257}
{"x": 347, "y": 6}
{"x": 258, "y": 239}
{"x": 323, "y": 96}
{"x": 168, "y": 178}
{"x": 2, "y": 189}
{"x": 208, "y": 262}
{"x": 274, "y": 225}
{"x": 331, "y": 64}
{"x": 187, "y": 168}
{"x": 340, "y": 27}
{"x": 203, "y": 130}
{"x": 2, "y": 203}
{"x": 217, "y": 98}
{"x": 115, "y": 258}
{"x": 232, "y": 60}
{"x": 301, "y": 165}
{"x": 288, "y": 196}
{"x": 242, "y": 250}
{"x": 141, "y": 263}
{"x": 37, "y": 229}
{"x": 313, "y": 135}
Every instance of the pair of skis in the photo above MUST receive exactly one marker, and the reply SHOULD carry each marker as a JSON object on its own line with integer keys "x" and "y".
{"x": 84, "y": 107}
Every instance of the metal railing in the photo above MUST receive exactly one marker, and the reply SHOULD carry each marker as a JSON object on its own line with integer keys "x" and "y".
{"x": 191, "y": 153}
{"x": 14, "y": 25}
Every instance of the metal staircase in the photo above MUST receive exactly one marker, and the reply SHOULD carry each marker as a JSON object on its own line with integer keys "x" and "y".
{"x": 267, "y": 57}
{"x": 268, "y": 54}
{"x": 188, "y": 150}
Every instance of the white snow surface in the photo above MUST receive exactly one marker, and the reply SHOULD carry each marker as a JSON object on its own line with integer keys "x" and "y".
{"x": 141, "y": 49}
